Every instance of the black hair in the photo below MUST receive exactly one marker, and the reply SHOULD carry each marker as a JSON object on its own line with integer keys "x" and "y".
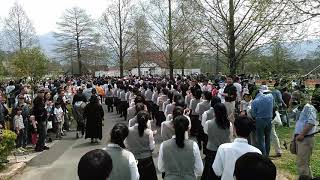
{"x": 254, "y": 166}
{"x": 96, "y": 164}
{"x": 198, "y": 94}
{"x": 207, "y": 95}
{"x": 170, "y": 96}
{"x": 181, "y": 124}
{"x": 180, "y": 101}
{"x": 177, "y": 111}
{"x": 220, "y": 112}
{"x": 94, "y": 99}
{"x": 165, "y": 91}
{"x": 215, "y": 100}
{"x": 243, "y": 126}
{"x": 142, "y": 118}
{"x": 139, "y": 107}
{"x": 305, "y": 177}
{"x": 138, "y": 99}
{"x": 119, "y": 133}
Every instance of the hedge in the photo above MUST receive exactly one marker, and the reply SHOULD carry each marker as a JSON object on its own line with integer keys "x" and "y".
{"x": 7, "y": 144}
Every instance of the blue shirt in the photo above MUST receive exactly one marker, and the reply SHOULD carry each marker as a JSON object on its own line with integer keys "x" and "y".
{"x": 277, "y": 97}
{"x": 308, "y": 115}
{"x": 262, "y": 106}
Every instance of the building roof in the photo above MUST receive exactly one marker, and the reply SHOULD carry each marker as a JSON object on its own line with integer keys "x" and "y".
{"x": 158, "y": 58}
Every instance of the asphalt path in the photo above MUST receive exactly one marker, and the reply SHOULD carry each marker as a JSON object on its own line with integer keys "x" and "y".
{"x": 60, "y": 162}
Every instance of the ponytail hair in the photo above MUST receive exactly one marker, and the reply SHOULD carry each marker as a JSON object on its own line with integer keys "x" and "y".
{"x": 181, "y": 124}
{"x": 119, "y": 133}
{"x": 142, "y": 118}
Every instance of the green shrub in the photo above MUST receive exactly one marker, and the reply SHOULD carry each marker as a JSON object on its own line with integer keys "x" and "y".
{"x": 7, "y": 144}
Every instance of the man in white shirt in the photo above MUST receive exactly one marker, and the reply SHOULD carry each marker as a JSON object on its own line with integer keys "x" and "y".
{"x": 239, "y": 88}
{"x": 228, "y": 153}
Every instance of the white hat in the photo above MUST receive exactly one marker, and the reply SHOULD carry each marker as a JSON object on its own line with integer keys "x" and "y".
{"x": 264, "y": 89}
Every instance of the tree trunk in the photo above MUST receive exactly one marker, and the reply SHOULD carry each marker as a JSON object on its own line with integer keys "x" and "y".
{"x": 79, "y": 55}
{"x": 171, "y": 63}
{"x": 20, "y": 34}
{"x": 232, "y": 40}
{"x": 217, "y": 60}
{"x": 138, "y": 55}
{"x": 120, "y": 41}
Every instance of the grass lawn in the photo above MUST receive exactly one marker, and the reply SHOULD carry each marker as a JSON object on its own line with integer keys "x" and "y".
{"x": 287, "y": 163}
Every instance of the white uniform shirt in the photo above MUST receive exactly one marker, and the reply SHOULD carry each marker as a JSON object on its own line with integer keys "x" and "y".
{"x": 228, "y": 154}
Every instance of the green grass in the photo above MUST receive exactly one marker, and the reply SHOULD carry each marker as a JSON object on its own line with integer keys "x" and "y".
{"x": 287, "y": 162}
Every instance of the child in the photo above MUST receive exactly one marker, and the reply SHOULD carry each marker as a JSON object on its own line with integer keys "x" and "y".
{"x": 19, "y": 127}
{"x": 245, "y": 104}
{"x": 59, "y": 117}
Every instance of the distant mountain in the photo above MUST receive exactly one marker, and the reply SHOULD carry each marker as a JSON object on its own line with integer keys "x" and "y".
{"x": 47, "y": 43}
{"x": 302, "y": 49}
{"x": 298, "y": 49}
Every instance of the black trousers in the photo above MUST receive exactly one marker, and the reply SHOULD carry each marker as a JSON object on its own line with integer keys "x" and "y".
{"x": 147, "y": 169}
{"x": 160, "y": 118}
{"x": 42, "y": 131}
{"x": 109, "y": 103}
{"x": 208, "y": 173}
{"x": 123, "y": 109}
{"x": 195, "y": 125}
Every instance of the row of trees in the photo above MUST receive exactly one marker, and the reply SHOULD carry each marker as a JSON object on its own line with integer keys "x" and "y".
{"x": 229, "y": 30}
{"x": 22, "y": 56}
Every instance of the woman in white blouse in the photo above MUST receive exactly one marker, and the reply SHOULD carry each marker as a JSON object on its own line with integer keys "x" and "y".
{"x": 141, "y": 143}
{"x": 123, "y": 161}
{"x": 172, "y": 159}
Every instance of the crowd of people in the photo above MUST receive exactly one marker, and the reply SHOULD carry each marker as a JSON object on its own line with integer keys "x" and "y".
{"x": 230, "y": 120}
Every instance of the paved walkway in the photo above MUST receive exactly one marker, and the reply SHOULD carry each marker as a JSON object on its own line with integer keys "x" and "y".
{"x": 61, "y": 161}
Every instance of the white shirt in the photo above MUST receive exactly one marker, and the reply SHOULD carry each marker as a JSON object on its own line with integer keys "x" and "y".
{"x": 18, "y": 121}
{"x": 228, "y": 154}
{"x": 239, "y": 90}
{"x": 58, "y": 112}
{"x": 198, "y": 165}
{"x": 132, "y": 162}
{"x": 9, "y": 89}
{"x": 205, "y": 115}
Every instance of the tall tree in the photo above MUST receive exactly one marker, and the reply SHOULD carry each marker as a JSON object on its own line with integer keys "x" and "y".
{"x": 115, "y": 28}
{"x": 19, "y": 30}
{"x": 75, "y": 34}
{"x": 141, "y": 39}
{"x": 172, "y": 35}
{"x": 242, "y": 25}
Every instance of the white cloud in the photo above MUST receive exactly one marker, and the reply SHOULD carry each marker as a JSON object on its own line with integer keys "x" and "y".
{"x": 45, "y": 13}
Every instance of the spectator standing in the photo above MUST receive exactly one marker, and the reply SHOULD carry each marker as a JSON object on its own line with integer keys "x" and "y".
{"x": 262, "y": 111}
{"x": 59, "y": 119}
{"x": 19, "y": 128}
{"x": 40, "y": 114}
{"x": 230, "y": 96}
{"x": 304, "y": 130}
